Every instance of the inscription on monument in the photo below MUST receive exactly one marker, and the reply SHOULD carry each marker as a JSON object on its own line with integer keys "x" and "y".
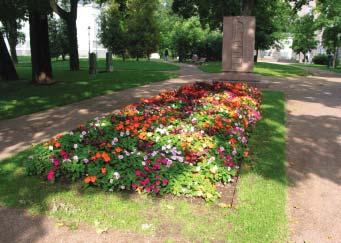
{"x": 238, "y": 43}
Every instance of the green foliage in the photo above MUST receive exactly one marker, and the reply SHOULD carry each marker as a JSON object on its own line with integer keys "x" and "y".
{"x": 321, "y": 59}
{"x": 113, "y": 29}
{"x": 188, "y": 37}
{"x": 58, "y": 37}
{"x": 130, "y": 26}
{"x": 304, "y": 34}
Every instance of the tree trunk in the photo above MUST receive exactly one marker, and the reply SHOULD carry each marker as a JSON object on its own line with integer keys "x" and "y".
{"x": 71, "y": 19}
{"x": 247, "y": 7}
{"x": 73, "y": 43}
{"x": 7, "y": 68}
{"x": 40, "y": 50}
{"x": 11, "y": 29}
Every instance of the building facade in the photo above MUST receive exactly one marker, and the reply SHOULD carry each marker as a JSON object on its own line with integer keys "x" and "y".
{"x": 87, "y": 17}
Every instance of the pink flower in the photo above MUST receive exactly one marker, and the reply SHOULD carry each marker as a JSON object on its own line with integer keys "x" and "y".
{"x": 156, "y": 190}
{"x": 64, "y": 154}
{"x": 156, "y": 166}
{"x": 145, "y": 182}
{"x": 50, "y": 175}
{"x": 138, "y": 173}
{"x": 134, "y": 186}
{"x": 148, "y": 189}
{"x": 165, "y": 182}
{"x": 56, "y": 162}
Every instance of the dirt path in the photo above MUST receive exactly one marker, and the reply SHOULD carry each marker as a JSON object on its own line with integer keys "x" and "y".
{"x": 313, "y": 154}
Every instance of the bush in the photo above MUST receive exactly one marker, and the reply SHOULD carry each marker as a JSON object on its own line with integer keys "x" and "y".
{"x": 321, "y": 59}
{"x": 182, "y": 142}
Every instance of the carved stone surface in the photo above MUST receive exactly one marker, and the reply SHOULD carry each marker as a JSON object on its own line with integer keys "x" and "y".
{"x": 238, "y": 43}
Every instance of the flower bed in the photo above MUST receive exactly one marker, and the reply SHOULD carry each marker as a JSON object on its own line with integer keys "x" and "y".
{"x": 180, "y": 142}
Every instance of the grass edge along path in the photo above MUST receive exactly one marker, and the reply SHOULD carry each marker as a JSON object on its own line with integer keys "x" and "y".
{"x": 259, "y": 215}
{"x": 262, "y": 68}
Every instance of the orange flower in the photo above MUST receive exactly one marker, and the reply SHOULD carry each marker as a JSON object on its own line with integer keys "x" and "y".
{"x": 118, "y": 150}
{"x": 246, "y": 154}
{"x": 98, "y": 155}
{"x": 57, "y": 145}
{"x": 105, "y": 157}
{"x": 142, "y": 136}
{"x": 104, "y": 170}
{"x": 90, "y": 179}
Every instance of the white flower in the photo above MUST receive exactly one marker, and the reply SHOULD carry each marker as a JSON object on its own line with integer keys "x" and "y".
{"x": 127, "y": 133}
{"x": 143, "y": 163}
{"x": 214, "y": 169}
{"x": 120, "y": 156}
{"x": 75, "y": 146}
{"x": 181, "y": 159}
{"x": 30, "y": 157}
{"x": 51, "y": 148}
{"x": 111, "y": 181}
{"x": 71, "y": 133}
{"x": 117, "y": 175}
{"x": 75, "y": 158}
{"x": 84, "y": 133}
{"x": 121, "y": 134}
{"x": 198, "y": 168}
{"x": 222, "y": 149}
{"x": 122, "y": 187}
{"x": 81, "y": 136}
{"x": 234, "y": 152}
{"x": 111, "y": 190}
{"x": 115, "y": 140}
{"x": 85, "y": 161}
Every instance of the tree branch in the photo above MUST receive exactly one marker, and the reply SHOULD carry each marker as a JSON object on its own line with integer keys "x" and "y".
{"x": 58, "y": 10}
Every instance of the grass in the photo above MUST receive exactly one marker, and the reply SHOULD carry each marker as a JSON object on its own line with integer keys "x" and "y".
{"x": 259, "y": 216}
{"x": 318, "y": 66}
{"x": 23, "y": 97}
{"x": 266, "y": 69}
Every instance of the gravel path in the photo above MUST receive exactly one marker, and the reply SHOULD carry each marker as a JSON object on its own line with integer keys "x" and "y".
{"x": 314, "y": 156}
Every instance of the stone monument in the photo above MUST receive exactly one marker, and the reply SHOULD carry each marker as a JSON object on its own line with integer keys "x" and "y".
{"x": 238, "y": 48}
{"x": 108, "y": 62}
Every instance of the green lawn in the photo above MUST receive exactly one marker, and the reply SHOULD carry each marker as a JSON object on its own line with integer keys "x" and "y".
{"x": 258, "y": 217}
{"x": 266, "y": 69}
{"x": 321, "y": 67}
{"x": 22, "y": 97}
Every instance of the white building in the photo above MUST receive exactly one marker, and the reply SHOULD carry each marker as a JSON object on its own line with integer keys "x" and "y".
{"x": 87, "y": 17}
{"x": 285, "y": 53}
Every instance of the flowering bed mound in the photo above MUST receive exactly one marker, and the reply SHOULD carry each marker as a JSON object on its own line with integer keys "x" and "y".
{"x": 182, "y": 142}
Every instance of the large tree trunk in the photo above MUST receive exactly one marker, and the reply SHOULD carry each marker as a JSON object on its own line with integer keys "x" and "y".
{"x": 73, "y": 43}
{"x": 7, "y": 68}
{"x": 40, "y": 50}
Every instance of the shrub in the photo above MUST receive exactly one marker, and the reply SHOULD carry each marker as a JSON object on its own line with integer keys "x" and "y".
{"x": 181, "y": 142}
{"x": 321, "y": 59}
